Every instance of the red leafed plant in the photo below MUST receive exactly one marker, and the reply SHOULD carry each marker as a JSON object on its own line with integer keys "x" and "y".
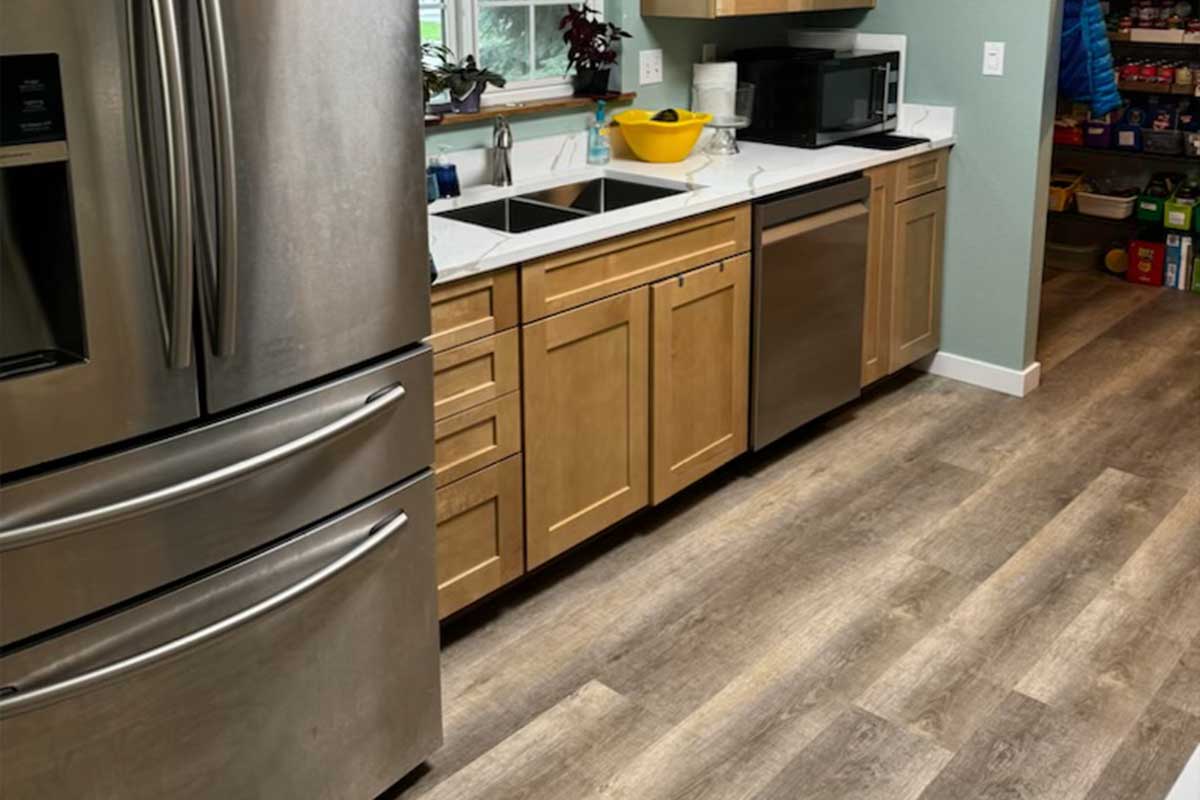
{"x": 591, "y": 44}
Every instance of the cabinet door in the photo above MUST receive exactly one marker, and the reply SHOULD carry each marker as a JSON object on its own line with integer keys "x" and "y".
{"x": 479, "y": 543}
{"x": 877, "y": 310}
{"x": 586, "y": 393}
{"x": 919, "y": 228}
{"x": 700, "y": 366}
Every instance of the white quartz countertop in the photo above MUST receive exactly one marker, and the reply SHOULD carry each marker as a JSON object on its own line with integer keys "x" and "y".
{"x": 461, "y": 250}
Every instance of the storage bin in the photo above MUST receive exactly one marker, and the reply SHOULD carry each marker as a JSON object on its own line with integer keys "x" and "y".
{"x": 1063, "y": 186}
{"x": 1068, "y": 132}
{"x": 1191, "y": 144}
{"x": 1099, "y": 134}
{"x": 1167, "y": 143}
{"x": 1127, "y": 137}
{"x": 1179, "y": 213}
{"x": 1095, "y": 204}
{"x": 1073, "y": 247}
{"x": 1151, "y": 209}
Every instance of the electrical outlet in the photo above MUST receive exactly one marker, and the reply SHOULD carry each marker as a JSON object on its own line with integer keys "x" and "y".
{"x": 993, "y": 59}
{"x": 708, "y": 52}
{"x": 651, "y": 67}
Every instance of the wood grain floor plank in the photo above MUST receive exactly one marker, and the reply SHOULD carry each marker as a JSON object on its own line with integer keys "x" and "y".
{"x": 1163, "y": 576}
{"x": 1182, "y": 687}
{"x": 734, "y": 744}
{"x": 945, "y": 686}
{"x": 1073, "y": 324}
{"x": 1151, "y": 757}
{"x": 568, "y": 751}
{"x": 862, "y": 756}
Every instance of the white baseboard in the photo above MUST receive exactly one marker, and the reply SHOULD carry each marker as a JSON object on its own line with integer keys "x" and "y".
{"x": 1188, "y": 785}
{"x": 1016, "y": 382}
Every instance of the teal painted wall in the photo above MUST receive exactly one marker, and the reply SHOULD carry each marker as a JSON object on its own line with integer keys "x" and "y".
{"x": 680, "y": 41}
{"x": 998, "y": 171}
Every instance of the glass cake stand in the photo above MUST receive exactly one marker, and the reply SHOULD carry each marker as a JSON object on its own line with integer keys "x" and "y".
{"x": 726, "y": 126}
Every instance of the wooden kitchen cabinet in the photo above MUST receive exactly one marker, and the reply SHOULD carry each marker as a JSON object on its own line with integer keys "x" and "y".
{"x": 470, "y": 309}
{"x": 903, "y": 304}
{"x": 586, "y": 397}
{"x": 700, "y": 367}
{"x": 480, "y": 546}
{"x": 918, "y": 234}
{"x": 477, "y": 437}
{"x": 711, "y": 9}
{"x": 877, "y": 312}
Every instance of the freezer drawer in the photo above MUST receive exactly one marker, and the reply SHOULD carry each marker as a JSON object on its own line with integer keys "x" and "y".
{"x": 76, "y": 541}
{"x": 309, "y": 670}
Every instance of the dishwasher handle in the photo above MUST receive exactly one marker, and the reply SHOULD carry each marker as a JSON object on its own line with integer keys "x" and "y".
{"x": 811, "y": 201}
{"x": 826, "y": 219}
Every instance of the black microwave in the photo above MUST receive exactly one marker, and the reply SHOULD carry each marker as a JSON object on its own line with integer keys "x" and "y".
{"x": 809, "y": 97}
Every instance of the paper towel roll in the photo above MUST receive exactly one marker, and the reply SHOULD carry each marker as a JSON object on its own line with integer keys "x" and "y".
{"x": 714, "y": 88}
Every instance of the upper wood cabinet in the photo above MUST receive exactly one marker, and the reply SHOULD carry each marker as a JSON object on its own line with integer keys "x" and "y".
{"x": 918, "y": 232}
{"x": 711, "y": 9}
{"x": 586, "y": 391}
{"x": 700, "y": 364}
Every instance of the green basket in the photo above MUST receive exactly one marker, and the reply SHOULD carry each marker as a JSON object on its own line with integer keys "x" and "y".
{"x": 1151, "y": 209}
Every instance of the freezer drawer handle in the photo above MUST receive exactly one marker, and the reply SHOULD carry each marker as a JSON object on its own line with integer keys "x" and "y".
{"x": 20, "y": 702}
{"x": 26, "y": 535}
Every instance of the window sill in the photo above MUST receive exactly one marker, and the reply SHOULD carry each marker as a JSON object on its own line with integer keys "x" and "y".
{"x": 551, "y": 106}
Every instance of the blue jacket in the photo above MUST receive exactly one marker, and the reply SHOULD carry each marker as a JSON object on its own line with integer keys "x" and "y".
{"x": 1086, "y": 66}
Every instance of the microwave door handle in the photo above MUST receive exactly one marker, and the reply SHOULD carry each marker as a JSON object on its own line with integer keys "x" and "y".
{"x": 886, "y": 90}
{"x": 216, "y": 64}
{"x": 17, "y": 702}
{"x": 174, "y": 298}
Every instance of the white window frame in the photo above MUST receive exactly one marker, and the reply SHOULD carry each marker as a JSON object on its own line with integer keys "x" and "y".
{"x": 462, "y": 36}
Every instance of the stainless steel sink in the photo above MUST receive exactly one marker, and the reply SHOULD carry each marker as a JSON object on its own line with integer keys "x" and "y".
{"x": 512, "y": 215}
{"x": 601, "y": 194}
{"x": 559, "y": 204}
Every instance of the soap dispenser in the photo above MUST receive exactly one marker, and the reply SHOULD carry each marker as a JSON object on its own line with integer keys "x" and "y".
{"x": 599, "y": 150}
{"x": 445, "y": 174}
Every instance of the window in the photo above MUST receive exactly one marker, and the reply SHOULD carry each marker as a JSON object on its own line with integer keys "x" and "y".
{"x": 519, "y": 39}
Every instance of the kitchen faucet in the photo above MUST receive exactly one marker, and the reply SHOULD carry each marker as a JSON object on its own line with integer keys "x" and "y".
{"x": 502, "y": 142}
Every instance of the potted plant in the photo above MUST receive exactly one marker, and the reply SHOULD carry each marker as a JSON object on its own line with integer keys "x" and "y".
{"x": 433, "y": 58}
{"x": 466, "y": 82}
{"x": 591, "y": 49}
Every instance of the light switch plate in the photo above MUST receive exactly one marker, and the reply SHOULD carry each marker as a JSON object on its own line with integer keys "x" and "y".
{"x": 993, "y": 59}
{"x": 650, "y": 63}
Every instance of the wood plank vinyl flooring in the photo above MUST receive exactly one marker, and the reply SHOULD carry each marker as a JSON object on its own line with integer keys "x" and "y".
{"x": 936, "y": 592}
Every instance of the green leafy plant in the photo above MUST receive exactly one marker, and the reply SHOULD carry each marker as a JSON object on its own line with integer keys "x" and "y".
{"x": 464, "y": 78}
{"x": 591, "y": 44}
{"x": 434, "y": 58}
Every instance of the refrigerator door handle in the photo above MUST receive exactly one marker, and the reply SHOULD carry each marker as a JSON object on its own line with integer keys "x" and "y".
{"x": 175, "y": 312}
{"x": 17, "y": 702}
{"x": 225, "y": 288}
{"x": 22, "y": 536}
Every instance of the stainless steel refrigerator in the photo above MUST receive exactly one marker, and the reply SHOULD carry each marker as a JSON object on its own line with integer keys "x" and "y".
{"x": 216, "y": 511}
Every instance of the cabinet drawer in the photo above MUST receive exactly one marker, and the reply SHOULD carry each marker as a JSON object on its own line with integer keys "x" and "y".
{"x": 473, "y": 308}
{"x": 921, "y": 175}
{"x": 477, "y": 438}
{"x": 480, "y": 541}
{"x": 465, "y": 376}
{"x": 560, "y": 282}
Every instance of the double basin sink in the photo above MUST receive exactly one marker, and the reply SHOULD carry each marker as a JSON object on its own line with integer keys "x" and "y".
{"x": 559, "y": 204}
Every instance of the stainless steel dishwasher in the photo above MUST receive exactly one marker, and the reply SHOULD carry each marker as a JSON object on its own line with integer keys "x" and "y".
{"x": 810, "y": 274}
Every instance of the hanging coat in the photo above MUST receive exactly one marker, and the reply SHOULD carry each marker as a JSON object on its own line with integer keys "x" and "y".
{"x": 1086, "y": 66}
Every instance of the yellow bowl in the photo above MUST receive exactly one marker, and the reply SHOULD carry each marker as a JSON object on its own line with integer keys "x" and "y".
{"x": 661, "y": 142}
